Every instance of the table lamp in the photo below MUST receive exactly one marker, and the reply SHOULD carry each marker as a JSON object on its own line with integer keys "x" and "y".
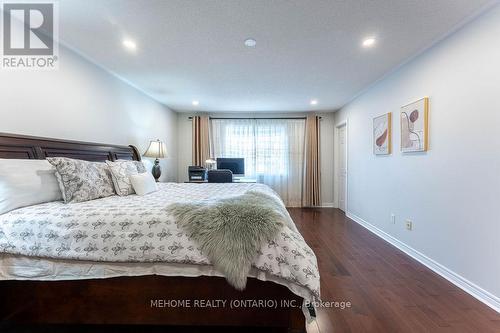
{"x": 156, "y": 150}
{"x": 210, "y": 163}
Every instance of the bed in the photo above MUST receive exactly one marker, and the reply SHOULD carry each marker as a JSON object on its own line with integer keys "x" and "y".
{"x": 121, "y": 260}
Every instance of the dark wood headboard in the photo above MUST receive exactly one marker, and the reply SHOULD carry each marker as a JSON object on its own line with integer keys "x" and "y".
{"x": 30, "y": 147}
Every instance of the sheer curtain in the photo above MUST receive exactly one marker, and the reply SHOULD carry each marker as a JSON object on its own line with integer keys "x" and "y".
{"x": 273, "y": 150}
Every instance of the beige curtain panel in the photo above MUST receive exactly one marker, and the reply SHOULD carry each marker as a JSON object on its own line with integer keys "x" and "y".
{"x": 201, "y": 140}
{"x": 312, "y": 174}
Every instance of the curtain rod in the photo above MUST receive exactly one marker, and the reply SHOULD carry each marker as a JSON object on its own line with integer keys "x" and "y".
{"x": 245, "y": 118}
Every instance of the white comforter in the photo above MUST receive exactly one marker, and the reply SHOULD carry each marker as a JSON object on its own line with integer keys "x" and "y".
{"x": 136, "y": 229}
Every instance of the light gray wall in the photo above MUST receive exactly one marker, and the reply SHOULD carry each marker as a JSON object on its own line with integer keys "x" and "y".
{"x": 452, "y": 192}
{"x": 81, "y": 101}
{"x": 185, "y": 143}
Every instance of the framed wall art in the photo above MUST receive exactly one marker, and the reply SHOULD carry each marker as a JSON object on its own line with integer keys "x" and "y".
{"x": 415, "y": 126}
{"x": 382, "y": 134}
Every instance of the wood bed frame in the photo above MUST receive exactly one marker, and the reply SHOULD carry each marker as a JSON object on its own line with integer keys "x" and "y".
{"x": 130, "y": 300}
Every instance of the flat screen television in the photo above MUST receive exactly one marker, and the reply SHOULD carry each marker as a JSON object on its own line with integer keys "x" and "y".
{"x": 236, "y": 165}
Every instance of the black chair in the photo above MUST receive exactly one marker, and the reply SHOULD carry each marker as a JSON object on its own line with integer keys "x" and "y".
{"x": 220, "y": 176}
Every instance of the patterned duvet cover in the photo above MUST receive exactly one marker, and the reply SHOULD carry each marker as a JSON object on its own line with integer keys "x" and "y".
{"x": 138, "y": 229}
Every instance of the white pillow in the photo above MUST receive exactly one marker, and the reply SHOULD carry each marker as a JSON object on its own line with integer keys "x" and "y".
{"x": 27, "y": 182}
{"x": 143, "y": 183}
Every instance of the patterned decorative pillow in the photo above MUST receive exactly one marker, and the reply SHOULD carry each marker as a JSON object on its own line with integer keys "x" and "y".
{"x": 140, "y": 166}
{"x": 81, "y": 180}
{"x": 121, "y": 170}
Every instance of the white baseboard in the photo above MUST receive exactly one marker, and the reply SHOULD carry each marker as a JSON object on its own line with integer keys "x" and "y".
{"x": 327, "y": 205}
{"x": 482, "y": 295}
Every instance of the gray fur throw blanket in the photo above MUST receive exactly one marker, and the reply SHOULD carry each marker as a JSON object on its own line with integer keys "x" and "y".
{"x": 231, "y": 231}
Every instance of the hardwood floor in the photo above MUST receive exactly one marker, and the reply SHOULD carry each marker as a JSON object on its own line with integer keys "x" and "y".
{"x": 389, "y": 291}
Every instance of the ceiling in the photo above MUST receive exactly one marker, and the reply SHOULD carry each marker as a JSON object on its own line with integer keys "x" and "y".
{"x": 306, "y": 49}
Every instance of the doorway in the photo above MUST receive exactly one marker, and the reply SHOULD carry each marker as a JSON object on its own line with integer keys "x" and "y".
{"x": 342, "y": 166}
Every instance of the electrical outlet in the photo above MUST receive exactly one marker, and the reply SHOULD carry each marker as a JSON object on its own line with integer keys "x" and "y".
{"x": 409, "y": 225}
{"x": 393, "y": 219}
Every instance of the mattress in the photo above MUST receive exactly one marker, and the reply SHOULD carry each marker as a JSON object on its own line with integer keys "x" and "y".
{"x": 134, "y": 235}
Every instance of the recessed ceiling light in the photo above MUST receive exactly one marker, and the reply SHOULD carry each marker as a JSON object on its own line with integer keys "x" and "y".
{"x": 314, "y": 102}
{"x": 196, "y": 103}
{"x": 250, "y": 42}
{"x": 369, "y": 42}
{"x": 129, "y": 44}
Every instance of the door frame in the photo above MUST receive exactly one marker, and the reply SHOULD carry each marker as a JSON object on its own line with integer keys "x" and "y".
{"x": 337, "y": 166}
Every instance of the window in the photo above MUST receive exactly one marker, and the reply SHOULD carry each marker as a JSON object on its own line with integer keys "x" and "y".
{"x": 273, "y": 150}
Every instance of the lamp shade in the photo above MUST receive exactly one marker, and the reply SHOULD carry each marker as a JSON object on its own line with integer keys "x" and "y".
{"x": 156, "y": 149}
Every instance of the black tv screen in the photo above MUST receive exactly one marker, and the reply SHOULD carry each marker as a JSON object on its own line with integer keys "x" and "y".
{"x": 236, "y": 165}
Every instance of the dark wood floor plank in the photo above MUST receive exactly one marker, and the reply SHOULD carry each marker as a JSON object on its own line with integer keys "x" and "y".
{"x": 389, "y": 291}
